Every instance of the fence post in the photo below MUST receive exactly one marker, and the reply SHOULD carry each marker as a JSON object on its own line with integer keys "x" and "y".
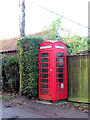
{"x": 21, "y": 70}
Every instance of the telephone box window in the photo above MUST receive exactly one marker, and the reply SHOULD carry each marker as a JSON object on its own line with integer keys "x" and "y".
{"x": 44, "y": 91}
{"x": 60, "y": 80}
{"x": 59, "y": 64}
{"x": 44, "y": 85}
{"x": 45, "y": 80}
{"x": 60, "y": 75}
{"x": 45, "y": 70}
{"x": 44, "y": 75}
{"x": 45, "y": 65}
{"x": 60, "y": 54}
{"x": 59, "y": 60}
{"x": 60, "y": 69}
{"x": 44, "y": 54}
{"x": 45, "y": 60}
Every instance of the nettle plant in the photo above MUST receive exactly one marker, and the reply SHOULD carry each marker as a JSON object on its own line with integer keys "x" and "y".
{"x": 28, "y": 59}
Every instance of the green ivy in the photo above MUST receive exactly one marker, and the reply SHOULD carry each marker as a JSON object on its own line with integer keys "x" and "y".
{"x": 28, "y": 59}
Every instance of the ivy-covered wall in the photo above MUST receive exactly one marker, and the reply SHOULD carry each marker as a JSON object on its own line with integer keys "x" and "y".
{"x": 28, "y": 59}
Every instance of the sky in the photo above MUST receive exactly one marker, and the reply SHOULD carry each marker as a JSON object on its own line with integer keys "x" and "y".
{"x": 36, "y": 17}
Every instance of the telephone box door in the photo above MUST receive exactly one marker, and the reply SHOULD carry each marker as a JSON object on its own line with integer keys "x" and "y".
{"x": 60, "y": 74}
{"x": 44, "y": 74}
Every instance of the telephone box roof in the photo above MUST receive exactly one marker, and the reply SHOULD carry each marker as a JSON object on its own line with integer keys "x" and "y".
{"x": 53, "y": 41}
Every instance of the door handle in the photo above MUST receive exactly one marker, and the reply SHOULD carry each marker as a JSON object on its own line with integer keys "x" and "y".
{"x": 50, "y": 70}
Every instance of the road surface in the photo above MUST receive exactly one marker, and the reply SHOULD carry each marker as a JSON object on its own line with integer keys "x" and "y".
{"x": 37, "y": 110}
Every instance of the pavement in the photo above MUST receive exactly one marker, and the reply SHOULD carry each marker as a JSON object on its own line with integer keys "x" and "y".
{"x": 35, "y": 109}
{"x": 0, "y": 109}
{"x": 18, "y": 112}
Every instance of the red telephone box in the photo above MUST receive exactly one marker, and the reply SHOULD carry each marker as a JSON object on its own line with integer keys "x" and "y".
{"x": 52, "y": 70}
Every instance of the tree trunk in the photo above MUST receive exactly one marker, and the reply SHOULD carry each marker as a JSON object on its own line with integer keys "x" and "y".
{"x": 22, "y": 17}
{"x": 22, "y": 29}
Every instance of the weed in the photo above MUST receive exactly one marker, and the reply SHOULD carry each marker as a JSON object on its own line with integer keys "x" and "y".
{"x": 19, "y": 103}
{"x": 8, "y": 99}
{"x": 1, "y": 97}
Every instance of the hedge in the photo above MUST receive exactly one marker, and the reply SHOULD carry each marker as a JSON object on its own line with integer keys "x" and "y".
{"x": 28, "y": 59}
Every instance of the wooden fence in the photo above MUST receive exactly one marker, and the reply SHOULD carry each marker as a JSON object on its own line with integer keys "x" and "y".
{"x": 78, "y": 68}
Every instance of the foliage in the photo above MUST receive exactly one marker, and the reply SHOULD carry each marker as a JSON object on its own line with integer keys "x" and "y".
{"x": 10, "y": 73}
{"x": 76, "y": 44}
{"x": 28, "y": 58}
{"x": 52, "y": 32}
